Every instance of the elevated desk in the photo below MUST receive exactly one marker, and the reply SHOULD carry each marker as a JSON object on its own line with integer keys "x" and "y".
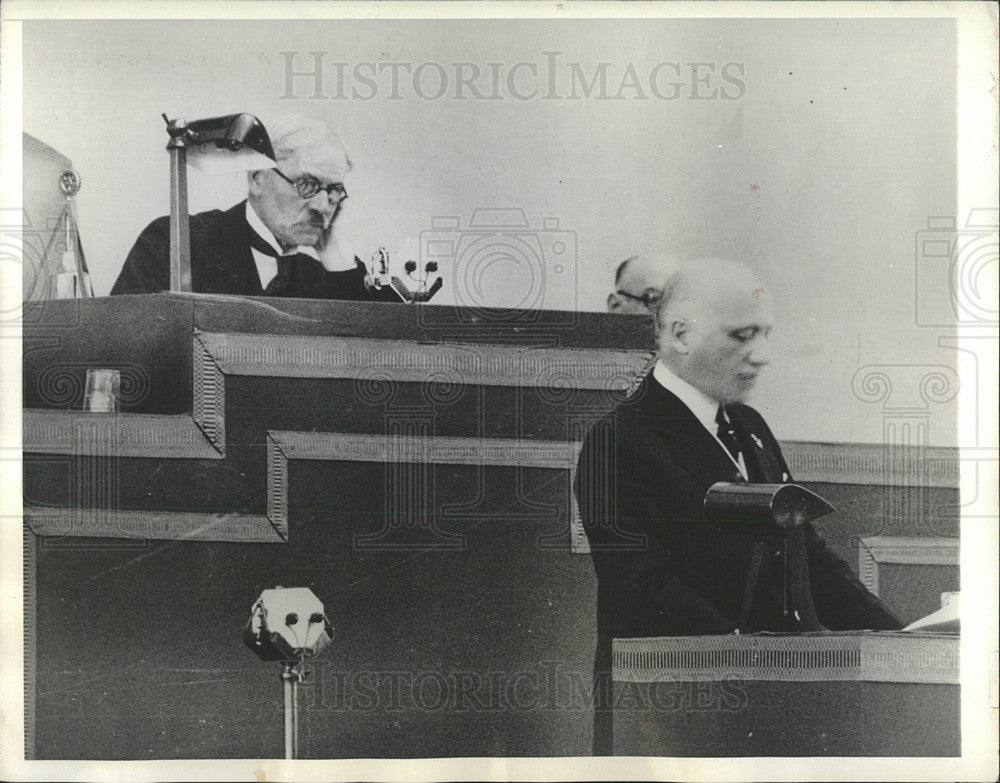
{"x": 411, "y": 465}
{"x": 826, "y": 694}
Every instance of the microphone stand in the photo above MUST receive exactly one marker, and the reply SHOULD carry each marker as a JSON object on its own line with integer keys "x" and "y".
{"x": 291, "y": 676}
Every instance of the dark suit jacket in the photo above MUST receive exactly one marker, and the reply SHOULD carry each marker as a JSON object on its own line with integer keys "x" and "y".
{"x": 664, "y": 569}
{"x": 221, "y": 262}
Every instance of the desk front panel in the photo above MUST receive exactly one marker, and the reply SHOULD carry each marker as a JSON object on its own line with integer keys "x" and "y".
{"x": 452, "y": 647}
{"x": 824, "y": 694}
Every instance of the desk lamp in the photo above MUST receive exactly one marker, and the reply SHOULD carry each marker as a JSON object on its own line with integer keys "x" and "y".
{"x": 234, "y": 142}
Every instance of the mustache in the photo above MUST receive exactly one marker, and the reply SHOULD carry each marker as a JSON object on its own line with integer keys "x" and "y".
{"x": 319, "y": 220}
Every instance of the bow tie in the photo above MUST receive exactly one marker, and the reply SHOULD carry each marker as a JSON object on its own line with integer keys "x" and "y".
{"x": 281, "y": 283}
{"x": 261, "y": 245}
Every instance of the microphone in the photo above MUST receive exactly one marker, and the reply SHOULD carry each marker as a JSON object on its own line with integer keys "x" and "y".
{"x": 781, "y": 505}
{"x": 380, "y": 278}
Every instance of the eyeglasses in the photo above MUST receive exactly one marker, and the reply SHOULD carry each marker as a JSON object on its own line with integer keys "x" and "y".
{"x": 308, "y": 186}
{"x": 649, "y": 298}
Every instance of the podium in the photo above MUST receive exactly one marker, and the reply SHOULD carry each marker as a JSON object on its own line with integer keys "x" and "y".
{"x": 822, "y": 694}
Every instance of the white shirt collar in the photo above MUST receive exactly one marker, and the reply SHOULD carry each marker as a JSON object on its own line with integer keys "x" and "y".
{"x": 253, "y": 219}
{"x": 702, "y": 406}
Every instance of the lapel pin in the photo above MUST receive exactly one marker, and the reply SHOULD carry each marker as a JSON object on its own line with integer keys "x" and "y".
{"x": 760, "y": 444}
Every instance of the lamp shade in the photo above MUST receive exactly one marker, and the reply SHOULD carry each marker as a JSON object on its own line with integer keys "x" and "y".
{"x": 233, "y": 142}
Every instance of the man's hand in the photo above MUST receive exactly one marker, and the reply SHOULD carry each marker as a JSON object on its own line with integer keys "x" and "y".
{"x": 329, "y": 250}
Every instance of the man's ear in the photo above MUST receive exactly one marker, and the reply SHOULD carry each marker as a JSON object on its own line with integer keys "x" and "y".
{"x": 676, "y": 333}
{"x": 253, "y": 182}
{"x": 614, "y": 302}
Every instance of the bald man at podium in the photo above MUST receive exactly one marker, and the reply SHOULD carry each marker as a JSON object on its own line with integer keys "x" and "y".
{"x": 663, "y": 568}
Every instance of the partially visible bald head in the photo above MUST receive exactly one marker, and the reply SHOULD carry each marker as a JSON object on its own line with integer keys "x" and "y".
{"x": 713, "y": 322}
{"x": 639, "y": 280}
{"x": 706, "y": 283}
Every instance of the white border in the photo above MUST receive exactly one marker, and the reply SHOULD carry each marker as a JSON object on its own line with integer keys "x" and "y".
{"x": 977, "y": 50}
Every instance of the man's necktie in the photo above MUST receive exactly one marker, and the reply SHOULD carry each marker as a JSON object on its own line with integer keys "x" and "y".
{"x": 727, "y": 432}
{"x": 280, "y": 285}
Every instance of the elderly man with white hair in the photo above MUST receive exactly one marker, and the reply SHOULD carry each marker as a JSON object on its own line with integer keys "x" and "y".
{"x": 278, "y": 242}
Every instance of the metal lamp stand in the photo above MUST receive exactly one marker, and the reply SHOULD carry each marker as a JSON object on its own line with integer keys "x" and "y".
{"x": 180, "y": 239}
